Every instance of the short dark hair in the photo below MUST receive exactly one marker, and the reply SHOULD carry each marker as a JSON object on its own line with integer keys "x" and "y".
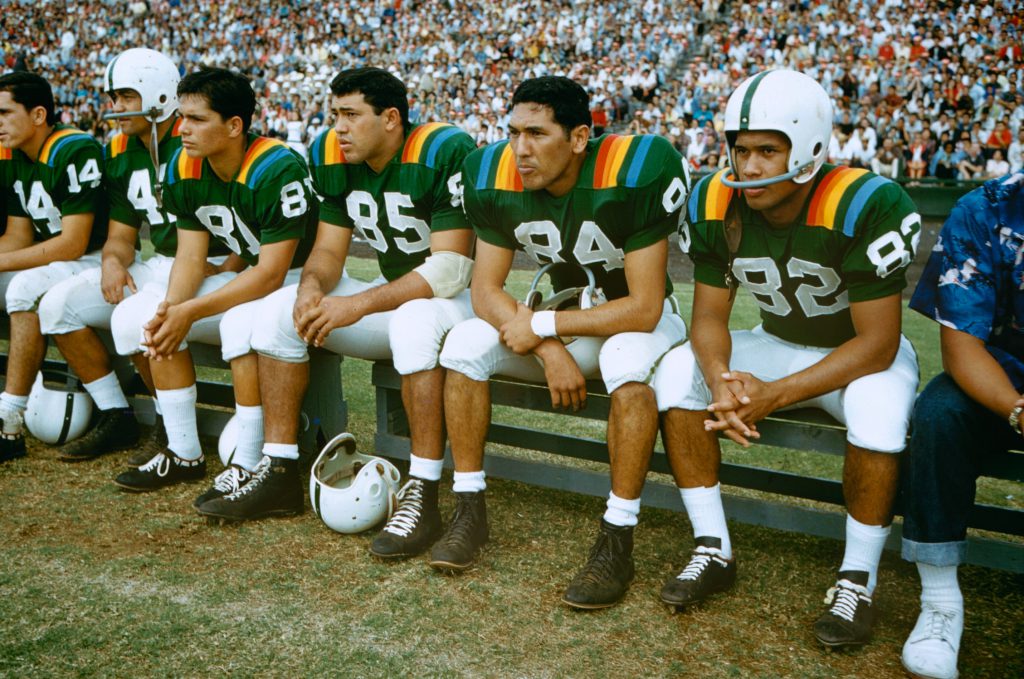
{"x": 566, "y": 98}
{"x": 30, "y": 90}
{"x": 228, "y": 93}
{"x": 380, "y": 89}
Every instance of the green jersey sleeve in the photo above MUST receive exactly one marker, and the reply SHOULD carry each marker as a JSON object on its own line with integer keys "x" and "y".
{"x": 330, "y": 181}
{"x": 479, "y": 200}
{"x": 663, "y": 183}
{"x": 700, "y": 234}
{"x": 444, "y": 148}
{"x": 285, "y": 204}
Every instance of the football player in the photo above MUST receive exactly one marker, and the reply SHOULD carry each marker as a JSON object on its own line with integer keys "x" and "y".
{"x": 251, "y": 194}
{"x": 398, "y": 186}
{"x": 608, "y": 204}
{"x": 824, "y": 251}
{"x": 57, "y": 220}
{"x": 970, "y": 413}
{"x": 142, "y": 86}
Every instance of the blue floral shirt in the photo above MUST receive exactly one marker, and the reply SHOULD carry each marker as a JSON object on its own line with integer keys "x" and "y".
{"x": 974, "y": 276}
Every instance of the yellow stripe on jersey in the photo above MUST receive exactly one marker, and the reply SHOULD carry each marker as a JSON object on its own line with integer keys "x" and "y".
{"x": 414, "y": 144}
{"x": 507, "y": 177}
{"x": 261, "y": 146}
{"x": 824, "y": 205}
{"x": 717, "y": 197}
{"x": 51, "y": 143}
{"x": 118, "y": 145}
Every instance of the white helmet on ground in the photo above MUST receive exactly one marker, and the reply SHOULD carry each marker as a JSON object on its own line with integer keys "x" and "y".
{"x": 150, "y": 73}
{"x": 57, "y": 412}
{"x": 784, "y": 101}
{"x": 349, "y": 491}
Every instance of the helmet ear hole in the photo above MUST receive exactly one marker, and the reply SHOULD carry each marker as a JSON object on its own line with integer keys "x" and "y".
{"x": 817, "y": 149}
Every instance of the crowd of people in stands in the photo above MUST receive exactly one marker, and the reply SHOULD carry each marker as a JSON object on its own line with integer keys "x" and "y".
{"x": 921, "y": 88}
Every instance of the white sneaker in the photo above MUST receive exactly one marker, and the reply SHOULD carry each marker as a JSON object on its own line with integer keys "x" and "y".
{"x": 931, "y": 650}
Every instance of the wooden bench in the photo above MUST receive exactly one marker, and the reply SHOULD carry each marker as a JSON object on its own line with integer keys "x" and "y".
{"x": 324, "y": 410}
{"x": 808, "y": 430}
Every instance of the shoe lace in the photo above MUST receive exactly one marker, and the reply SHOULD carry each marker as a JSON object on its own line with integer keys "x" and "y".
{"x": 159, "y": 462}
{"x": 231, "y": 479}
{"x": 939, "y": 625}
{"x": 258, "y": 476}
{"x": 461, "y": 529}
{"x": 410, "y": 507}
{"x": 844, "y": 597}
{"x": 600, "y": 566}
{"x": 698, "y": 563}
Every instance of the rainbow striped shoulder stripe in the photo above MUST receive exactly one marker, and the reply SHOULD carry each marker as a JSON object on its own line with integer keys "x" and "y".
{"x": 5, "y": 153}
{"x": 709, "y": 199}
{"x": 182, "y": 166}
{"x": 116, "y": 146}
{"x": 620, "y": 160}
{"x": 498, "y": 169}
{"x": 58, "y": 140}
{"x": 263, "y": 152}
{"x": 840, "y": 198}
{"x": 326, "y": 150}
{"x": 425, "y": 141}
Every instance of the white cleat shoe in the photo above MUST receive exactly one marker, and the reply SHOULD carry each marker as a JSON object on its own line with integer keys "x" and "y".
{"x": 931, "y": 650}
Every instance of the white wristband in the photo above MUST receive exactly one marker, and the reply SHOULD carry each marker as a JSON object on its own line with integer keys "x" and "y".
{"x": 543, "y": 324}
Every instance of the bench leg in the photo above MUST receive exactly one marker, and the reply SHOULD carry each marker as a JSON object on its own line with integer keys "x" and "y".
{"x": 324, "y": 410}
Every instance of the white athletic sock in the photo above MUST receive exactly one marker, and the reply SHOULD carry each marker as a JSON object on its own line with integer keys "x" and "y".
{"x": 939, "y": 587}
{"x": 287, "y": 451}
{"x": 469, "y": 482}
{"x": 249, "y": 446}
{"x": 621, "y": 512}
{"x": 864, "y": 548}
{"x": 707, "y": 515}
{"x": 179, "y": 406}
{"x": 106, "y": 392}
{"x": 157, "y": 408}
{"x": 426, "y": 469}
{"x": 12, "y": 412}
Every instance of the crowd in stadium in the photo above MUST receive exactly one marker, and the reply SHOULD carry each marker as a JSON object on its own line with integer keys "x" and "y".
{"x": 920, "y": 89}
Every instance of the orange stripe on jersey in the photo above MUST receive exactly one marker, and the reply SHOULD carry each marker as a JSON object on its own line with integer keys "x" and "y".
{"x": 602, "y": 160}
{"x": 118, "y": 145}
{"x": 829, "y": 194}
{"x": 717, "y": 197}
{"x": 333, "y": 155}
{"x": 176, "y": 130}
{"x": 258, "y": 148}
{"x": 616, "y": 157}
{"x": 507, "y": 177}
{"x": 44, "y": 153}
{"x": 189, "y": 168}
{"x": 414, "y": 144}
{"x": 5, "y": 153}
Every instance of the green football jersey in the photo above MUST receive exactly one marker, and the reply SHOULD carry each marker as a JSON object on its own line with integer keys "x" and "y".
{"x": 629, "y": 195}
{"x": 268, "y": 201}
{"x": 395, "y": 211}
{"x": 65, "y": 180}
{"x": 852, "y": 242}
{"x": 6, "y": 181}
{"x": 128, "y": 176}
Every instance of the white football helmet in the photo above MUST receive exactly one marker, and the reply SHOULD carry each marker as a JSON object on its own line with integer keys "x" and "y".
{"x": 57, "y": 412}
{"x": 349, "y": 491}
{"x": 578, "y": 297}
{"x": 227, "y": 443}
{"x": 785, "y": 101}
{"x": 150, "y": 73}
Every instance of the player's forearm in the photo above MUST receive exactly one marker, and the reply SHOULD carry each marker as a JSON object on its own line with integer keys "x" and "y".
{"x": 253, "y": 283}
{"x": 854, "y": 358}
{"x": 977, "y": 372}
{"x": 186, "y": 276}
{"x": 118, "y": 251}
{"x": 493, "y": 305}
{"x": 712, "y": 345}
{"x": 392, "y": 295}
{"x": 626, "y": 314}
{"x": 322, "y": 271}
{"x": 59, "y": 249}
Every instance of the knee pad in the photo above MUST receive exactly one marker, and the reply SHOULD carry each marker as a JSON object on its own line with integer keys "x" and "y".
{"x": 678, "y": 381}
{"x": 130, "y": 315}
{"x": 472, "y": 348}
{"x": 877, "y": 410}
{"x": 55, "y": 314}
{"x": 236, "y": 330}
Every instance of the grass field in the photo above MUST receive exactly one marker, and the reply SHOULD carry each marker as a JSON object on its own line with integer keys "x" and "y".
{"x": 96, "y": 582}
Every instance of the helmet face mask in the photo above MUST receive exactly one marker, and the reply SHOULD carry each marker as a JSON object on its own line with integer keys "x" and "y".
{"x": 790, "y": 103}
{"x": 149, "y": 73}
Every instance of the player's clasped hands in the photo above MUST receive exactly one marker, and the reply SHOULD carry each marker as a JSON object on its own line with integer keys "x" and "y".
{"x": 164, "y": 333}
{"x": 740, "y": 401}
{"x": 317, "y": 321}
{"x": 517, "y": 333}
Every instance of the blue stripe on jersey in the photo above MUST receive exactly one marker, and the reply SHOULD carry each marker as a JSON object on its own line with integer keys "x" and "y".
{"x": 693, "y": 202}
{"x": 314, "y": 154}
{"x": 435, "y": 145}
{"x": 266, "y": 162}
{"x": 56, "y": 148}
{"x": 860, "y": 199}
{"x": 171, "y": 164}
{"x": 638, "y": 160}
{"x": 485, "y": 166}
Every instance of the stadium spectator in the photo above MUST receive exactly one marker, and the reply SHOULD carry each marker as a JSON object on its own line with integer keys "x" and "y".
{"x": 973, "y": 165}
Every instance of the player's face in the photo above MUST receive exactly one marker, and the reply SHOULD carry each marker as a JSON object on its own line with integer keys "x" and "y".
{"x": 17, "y": 124}
{"x": 545, "y": 157}
{"x": 763, "y": 155}
{"x": 203, "y": 132}
{"x": 361, "y": 132}
{"x": 129, "y": 101}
